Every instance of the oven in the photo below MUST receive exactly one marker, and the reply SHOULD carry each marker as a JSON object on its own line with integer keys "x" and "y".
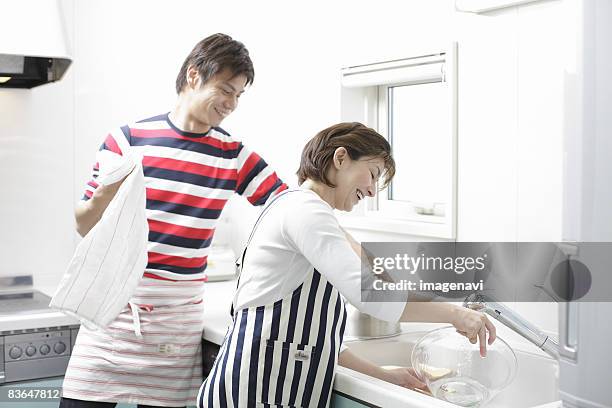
{"x": 35, "y": 341}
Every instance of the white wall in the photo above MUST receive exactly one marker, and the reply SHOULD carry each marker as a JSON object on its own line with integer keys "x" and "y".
{"x": 127, "y": 54}
{"x": 36, "y": 177}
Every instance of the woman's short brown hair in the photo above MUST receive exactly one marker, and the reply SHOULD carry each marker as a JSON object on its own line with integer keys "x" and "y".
{"x": 358, "y": 140}
{"x": 214, "y": 54}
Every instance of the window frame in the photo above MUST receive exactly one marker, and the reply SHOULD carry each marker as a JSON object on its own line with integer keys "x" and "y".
{"x": 380, "y": 213}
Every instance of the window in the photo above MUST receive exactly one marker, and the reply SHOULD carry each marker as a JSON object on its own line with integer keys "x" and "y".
{"x": 412, "y": 102}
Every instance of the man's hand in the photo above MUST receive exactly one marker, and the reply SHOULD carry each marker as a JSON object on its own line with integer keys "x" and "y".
{"x": 88, "y": 213}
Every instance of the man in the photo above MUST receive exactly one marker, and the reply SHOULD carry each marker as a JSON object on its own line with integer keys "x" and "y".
{"x": 191, "y": 168}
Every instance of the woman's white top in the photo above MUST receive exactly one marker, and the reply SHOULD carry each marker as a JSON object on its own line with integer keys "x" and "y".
{"x": 297, "y": 233}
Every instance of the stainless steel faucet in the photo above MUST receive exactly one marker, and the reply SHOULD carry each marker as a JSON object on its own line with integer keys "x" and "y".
{"x": 485, "y": 304}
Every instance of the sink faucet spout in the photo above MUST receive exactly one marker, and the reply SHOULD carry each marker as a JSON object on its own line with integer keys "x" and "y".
{"x": 501, "y": 313}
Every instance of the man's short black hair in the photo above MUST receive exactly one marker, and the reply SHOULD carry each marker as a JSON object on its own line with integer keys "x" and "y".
{"x": 214, "y": 54}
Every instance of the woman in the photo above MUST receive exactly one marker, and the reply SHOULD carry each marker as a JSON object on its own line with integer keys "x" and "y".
{"x": 285, "y": 341}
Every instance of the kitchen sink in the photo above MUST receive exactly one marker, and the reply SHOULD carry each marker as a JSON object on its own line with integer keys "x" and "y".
{"x": 536, "y": 382}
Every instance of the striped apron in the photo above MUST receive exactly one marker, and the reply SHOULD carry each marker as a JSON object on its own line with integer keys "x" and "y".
{"x": 150, "y": 354}
{"x": 282, "y": 354}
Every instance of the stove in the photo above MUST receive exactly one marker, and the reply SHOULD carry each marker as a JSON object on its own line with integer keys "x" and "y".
{"x": 31, "y": 353}
{"x": 28, "y": 302}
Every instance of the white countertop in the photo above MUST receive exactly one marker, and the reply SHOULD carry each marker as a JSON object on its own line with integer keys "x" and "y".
{"x": 217, "y": 303}
{"x": 217, "y": 300}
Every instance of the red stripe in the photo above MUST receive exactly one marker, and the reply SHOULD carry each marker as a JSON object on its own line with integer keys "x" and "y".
{"x": 174, "y": 284}
{"x": 185, "y": 199}
{"x": 153, "y": 276}
{"x": 179, "y": 230}
{"x": 144, "y": 319}
{"x": 127, "y": 384}
{"x": 112, "y": 145}
{"x": 135, "y": 398}
{"x": 179, "y": 261}
{"x": 92, "y": 184}
{"x": 173, "y": 367}
{"x": 158, "y": 313}
{"x": 248, "y": 165}
{"x": 109, "y": 338}
{"x": 263, "y": 188}
{"x": 283, "y": 187}
{"x": 155, "y": 333}
{"x": 190, "y": 167}
{"x": 140, "y": 374}
{"x": 155, "y": 296}
{"x": 115, "y": 351}
{"x": 209, "y": 140}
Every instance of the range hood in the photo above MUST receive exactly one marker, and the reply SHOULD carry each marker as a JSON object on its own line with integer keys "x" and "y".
{"x": 33, "y": 47}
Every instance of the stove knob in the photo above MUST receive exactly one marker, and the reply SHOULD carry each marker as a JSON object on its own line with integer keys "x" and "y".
{"x": 30, "y": 351}
{"x": 44, "y": 349}
{"x": 59, "y": 348}
{"x": 15, "y": 352}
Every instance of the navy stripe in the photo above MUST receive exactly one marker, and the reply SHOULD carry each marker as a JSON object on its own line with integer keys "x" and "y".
{"x": 295, "y": 382}
{"x": 331, "y": 362}
{"x": 220, "y": 130}
{"x": 176, "y": 269}
{"x": 183, "y": 209}
{"x": 175, "y": 240}
{"x": 297, "y": 373}
{"x": 312, "y": 297}
{"x": 127, "y": 133}
{"x": 201, "y": 396}
{"x": 275, "y": 325}
{"x": 238, "y": 357}
{"x": 343, "y": 321}
{"x": 265, "y": 197}
{"x": 252, "y": 386}
{"x": 276, "y": 315}
{"x": 295, "y": 304}
{"x": 211, "y": 389}
{"x": 316, "y": 356}
{"x": 183, "y": 144}
{"x": 261, "y": 164}
{"x": 183, "y": 177}
{"x": 222, "y": 396}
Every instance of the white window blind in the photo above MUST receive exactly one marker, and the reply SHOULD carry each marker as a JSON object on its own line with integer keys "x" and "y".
{"x": 423, "y": 69}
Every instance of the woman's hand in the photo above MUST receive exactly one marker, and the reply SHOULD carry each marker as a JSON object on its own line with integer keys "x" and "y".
{"x": 474, "y": 325}
{"x": 403, "y": 376}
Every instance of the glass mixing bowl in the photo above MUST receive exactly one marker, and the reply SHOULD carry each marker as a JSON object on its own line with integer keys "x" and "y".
{"x": 455, "y": 372}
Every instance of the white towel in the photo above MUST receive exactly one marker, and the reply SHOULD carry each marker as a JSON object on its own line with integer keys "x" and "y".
{"x": 110, "y": 260}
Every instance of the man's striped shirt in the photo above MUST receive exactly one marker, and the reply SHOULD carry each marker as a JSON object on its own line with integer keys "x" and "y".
{"x": 188, "y": 177}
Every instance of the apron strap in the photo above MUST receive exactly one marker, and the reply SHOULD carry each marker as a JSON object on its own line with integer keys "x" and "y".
{"x": 240, "y": 260}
